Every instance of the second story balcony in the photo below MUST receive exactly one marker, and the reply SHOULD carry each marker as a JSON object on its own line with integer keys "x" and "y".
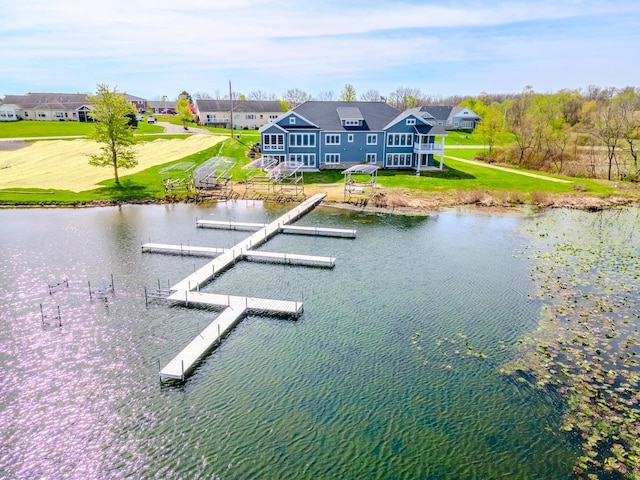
{"x": 428, "y": 147}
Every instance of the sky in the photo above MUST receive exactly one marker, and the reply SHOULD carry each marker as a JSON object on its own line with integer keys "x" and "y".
{"x": 156, "y": 48}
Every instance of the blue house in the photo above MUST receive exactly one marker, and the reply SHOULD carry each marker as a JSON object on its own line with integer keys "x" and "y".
{"x": 320, "y": 135}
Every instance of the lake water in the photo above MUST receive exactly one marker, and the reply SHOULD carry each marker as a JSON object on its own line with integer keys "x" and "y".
{"x": 390, "y": 373}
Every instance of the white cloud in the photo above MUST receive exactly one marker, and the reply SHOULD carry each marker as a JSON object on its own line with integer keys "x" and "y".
{"x": 270, "y": 41}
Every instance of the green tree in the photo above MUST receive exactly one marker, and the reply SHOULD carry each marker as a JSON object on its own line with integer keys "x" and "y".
{"x": 348, "y": 94}
{"x": 184, "y": 110}
{"x": 490, "y": 128}
{"x": 110, "y": 110}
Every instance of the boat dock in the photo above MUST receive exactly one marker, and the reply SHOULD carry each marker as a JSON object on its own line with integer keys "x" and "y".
{"x": 235, "y": 308}
{"x": 250, "y": 255}
{"x": 187, "y": 291}
{"x": 295, "y": 229}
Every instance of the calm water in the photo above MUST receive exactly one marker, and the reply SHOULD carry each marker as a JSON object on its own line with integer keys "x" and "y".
{"x": 392, "y": 371}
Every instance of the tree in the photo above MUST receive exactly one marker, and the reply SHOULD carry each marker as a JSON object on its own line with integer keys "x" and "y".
{"x": 371, "y": 96}
{"x": 405, "y": 97}
{"x": 490, "y": 127}
{"x": 348, "y": 93}
{"x": 186, "y": 94}
{"x": 294, "y": 97}
{"x": 260, "y": 95}
{"x": 327, "y": 96}
{"x": 184, "y": 111}
{"x": 202, "y": 96}
{"x": 109, "y": 109}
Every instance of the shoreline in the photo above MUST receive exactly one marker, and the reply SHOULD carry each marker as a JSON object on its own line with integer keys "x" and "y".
{"x": 407, "y": 202}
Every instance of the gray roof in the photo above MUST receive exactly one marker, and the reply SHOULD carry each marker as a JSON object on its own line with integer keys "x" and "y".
{"x": 442, "y": 113}
{"x": 162, "y": 103}
{"x": 326, "y": 114}
{"x": 206, "y": 105}
{"x": 349, "y": 113}
{"x": 65, "y": 101}
{"x": 430, "y": 129}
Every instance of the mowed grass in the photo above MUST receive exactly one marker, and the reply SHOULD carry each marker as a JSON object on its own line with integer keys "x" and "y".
{"x": 38, "y": 129}
{"x": 147, "y": 185}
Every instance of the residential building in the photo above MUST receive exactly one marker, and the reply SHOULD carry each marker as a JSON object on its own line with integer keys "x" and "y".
{"x": 161, "y": 107}
{"x": 72, "y": 107}
{"x": 247, "y": 114}
{"x": 321, "y": 135}
{"x": 451, "y": 118}
{"x": 49, "y": 106}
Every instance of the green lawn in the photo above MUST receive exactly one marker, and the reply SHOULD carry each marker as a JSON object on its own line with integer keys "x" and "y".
{"x": 147, "y": 185}
{"x": 37, "y": 129}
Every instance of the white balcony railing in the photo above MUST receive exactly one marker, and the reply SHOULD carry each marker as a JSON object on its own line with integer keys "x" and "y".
{"x": 428, "y": 147}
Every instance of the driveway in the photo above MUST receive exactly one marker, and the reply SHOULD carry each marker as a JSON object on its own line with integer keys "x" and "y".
{"x": 171, "y": 128}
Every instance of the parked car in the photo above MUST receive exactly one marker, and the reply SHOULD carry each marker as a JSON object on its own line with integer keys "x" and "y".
{"x": 140, "y": 118}
{"x": 151, "y": 119}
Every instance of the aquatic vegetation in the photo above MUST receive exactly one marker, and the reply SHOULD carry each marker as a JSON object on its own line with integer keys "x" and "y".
{"x": 586, "y": 348}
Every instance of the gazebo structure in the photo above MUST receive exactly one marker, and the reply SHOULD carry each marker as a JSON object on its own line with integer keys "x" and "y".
{"x": 284, "y": 177}
{"x": 214, "y": 175}
{"x": 354, "y": 186}
{"x": 177, "y": 177}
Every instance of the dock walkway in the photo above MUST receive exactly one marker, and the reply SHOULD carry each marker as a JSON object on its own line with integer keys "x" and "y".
{"x": 187, "y": 291}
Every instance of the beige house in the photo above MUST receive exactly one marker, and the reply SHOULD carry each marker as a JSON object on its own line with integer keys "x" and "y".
{"x": 243, "y": 114}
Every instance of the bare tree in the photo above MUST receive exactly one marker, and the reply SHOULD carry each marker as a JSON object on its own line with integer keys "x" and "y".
{"x": 202, "y": 96}
{"x": 405, "y": 97}
{"x": 371, "y": 96}
{"x": 261, "y": 95}
{"x": 294, "y": 97}
{"x": 327, "y": 96}
{"x": 609, "y": 129}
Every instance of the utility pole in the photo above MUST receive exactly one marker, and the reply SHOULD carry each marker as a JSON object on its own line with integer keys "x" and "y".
{"x": 231, "y": 103}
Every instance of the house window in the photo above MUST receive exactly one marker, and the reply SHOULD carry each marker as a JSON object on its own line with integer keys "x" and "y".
{"x": 352, "y": 123}
{"x": 467, "y": 124}
{"x": 292, "y": 120}
{"x": 42, "y": 115}
{"x": 399, "y": 160}
{"x": 400, "y": 139}
{"x": 237, "y": 116}
{"x": 59, "y": 115}
{"x": 332, "y": 139}
{"x": 302, "y": 139}
{"x": 371, "y": 158}
{"x": 268, "y": 160}
{"x": 372, "y": 139}
{"x": 411, "y": 121}
{"x": 350, "y": 137}
{"x": 273, "y": 117}
{"x": 332, "y": 158}
{"x": 250, "y": 116}
{"x": 307, "y": 159}
{"x": 26, "y": 114}
{"x": 274, "y": 141}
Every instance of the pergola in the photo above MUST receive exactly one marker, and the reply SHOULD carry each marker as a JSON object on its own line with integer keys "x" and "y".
{"x": 177, "y": 177}
{"x": 353, "y": 184}
{"x": 215, "y": 173}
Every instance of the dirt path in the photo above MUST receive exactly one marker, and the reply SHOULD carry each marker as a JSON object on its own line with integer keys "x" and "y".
{"x": 509, "y": 170}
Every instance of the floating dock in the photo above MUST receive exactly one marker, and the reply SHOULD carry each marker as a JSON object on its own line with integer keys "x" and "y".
{"x": 295, "y": 229}
{"x": 250, "y": 255}
{"x": 235, "y": 308}
{"x": 187, "y": 291}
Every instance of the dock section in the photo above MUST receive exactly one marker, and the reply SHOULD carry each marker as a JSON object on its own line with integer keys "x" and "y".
{"x": 233, "y": 307}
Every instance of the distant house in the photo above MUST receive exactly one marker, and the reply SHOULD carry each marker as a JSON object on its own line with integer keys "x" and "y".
{"x": 72, "y": 107}
{"x": 451, "y": 118}
{"x": 9, "y": 112}
{"x": 161, "y": 107}
{"x": 251, "y": 114}
{"x": 140, "y": 104}
{"x": 322, "y": 135}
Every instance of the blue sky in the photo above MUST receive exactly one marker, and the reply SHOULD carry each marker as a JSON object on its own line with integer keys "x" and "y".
{"x": 152, "y": 48}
